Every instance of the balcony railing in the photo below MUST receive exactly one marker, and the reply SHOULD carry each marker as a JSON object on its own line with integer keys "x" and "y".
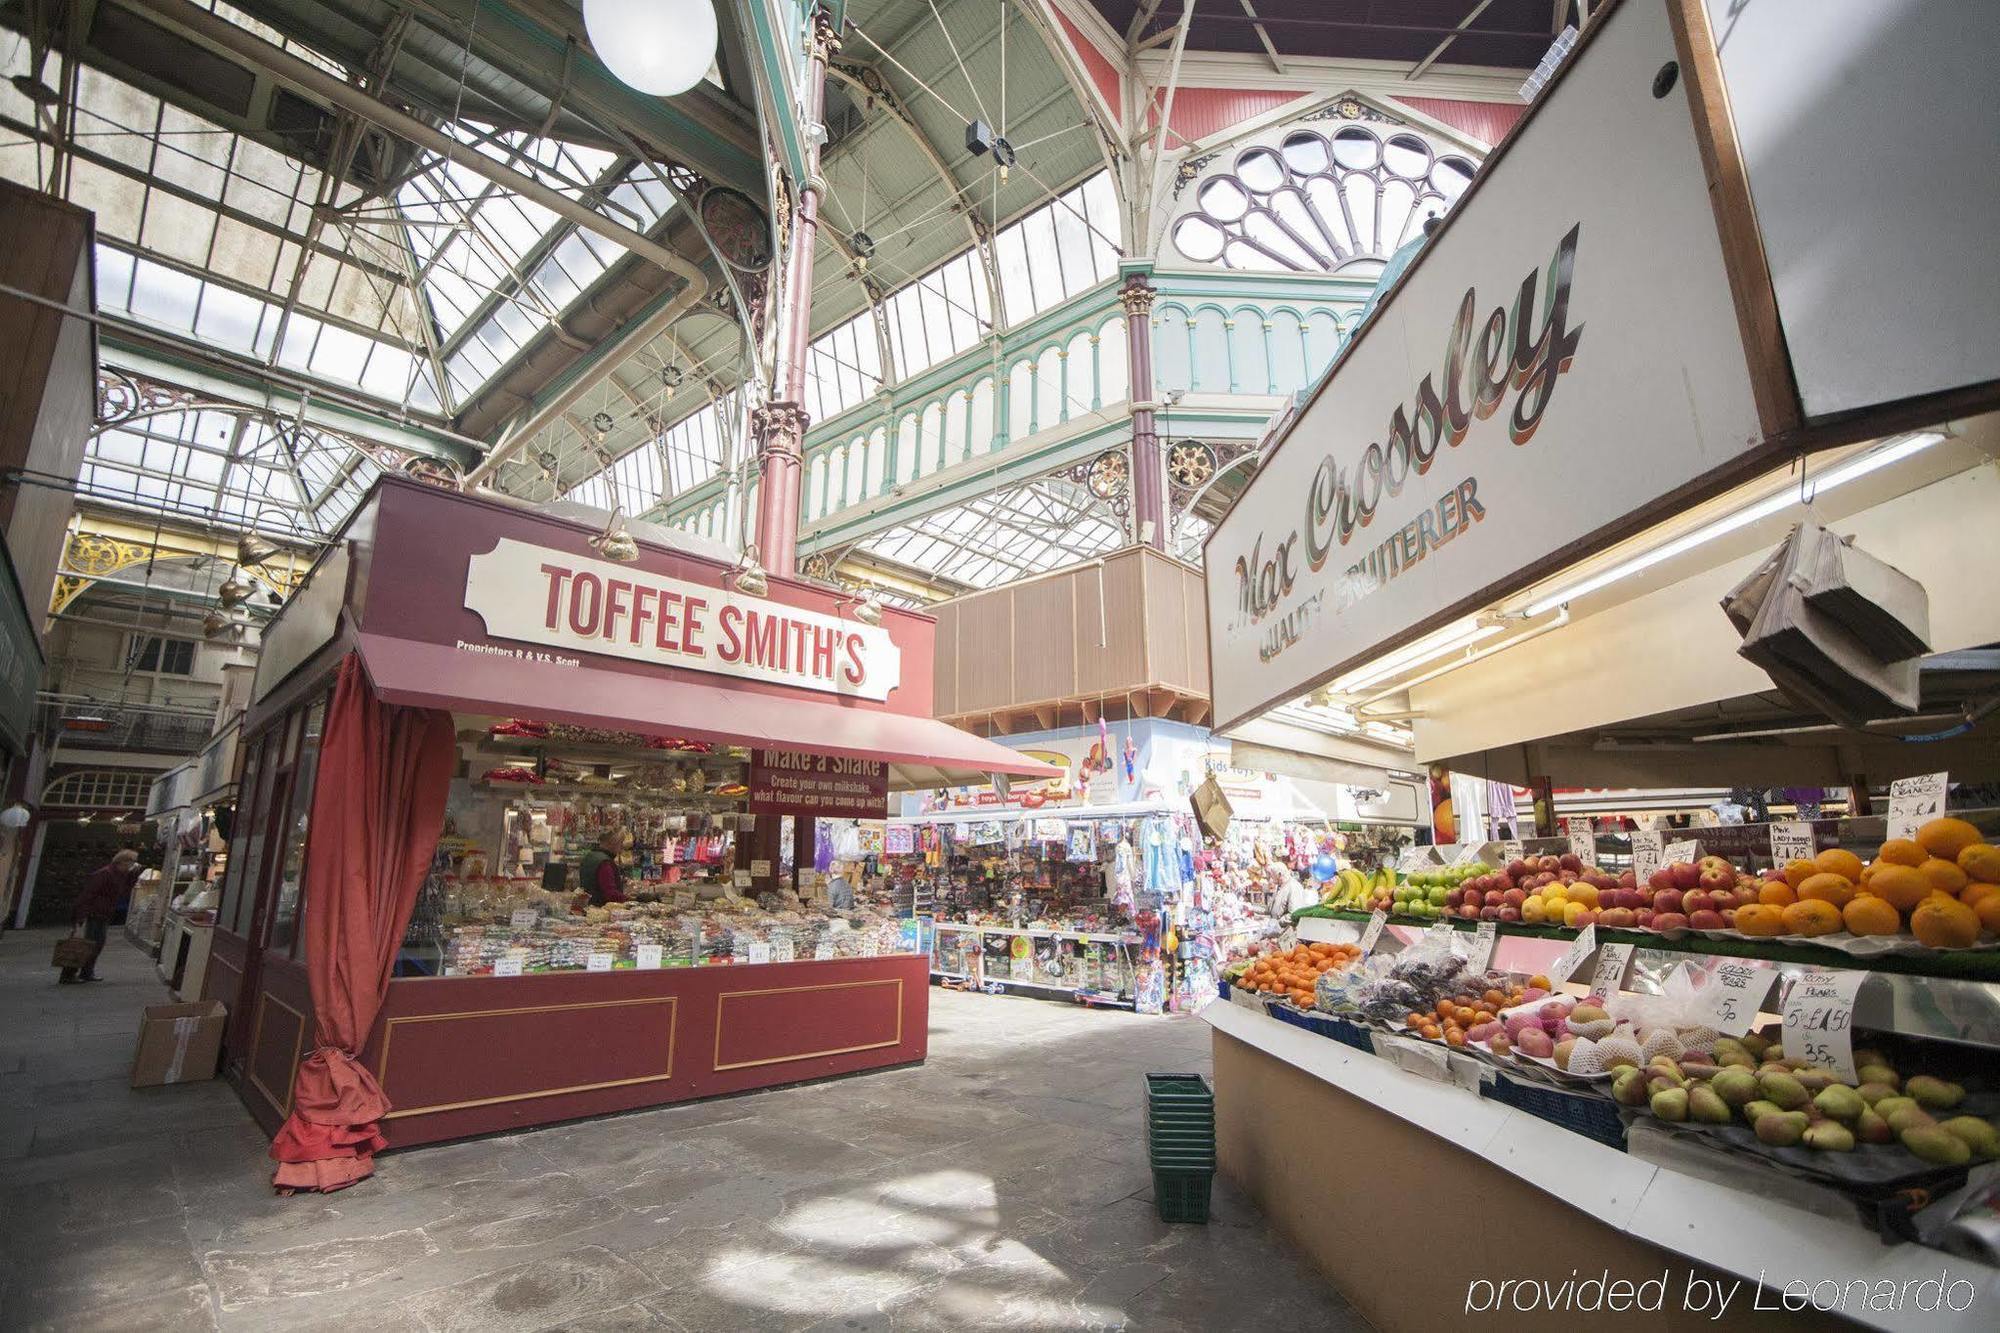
{"x": 79, "y": 722}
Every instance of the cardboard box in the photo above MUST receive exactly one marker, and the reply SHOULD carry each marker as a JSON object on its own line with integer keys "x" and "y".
{"x": 178, "y": 1043}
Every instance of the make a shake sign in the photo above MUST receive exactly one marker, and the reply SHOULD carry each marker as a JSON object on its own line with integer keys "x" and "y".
{"x": 1483, "y": 361}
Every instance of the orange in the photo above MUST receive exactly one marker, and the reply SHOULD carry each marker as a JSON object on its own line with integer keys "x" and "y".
{"x": 1947, "y": 837}
{"x": 1987, "y": 909}
{"x": 1903, "y": 852}
{"x": 1839, "y": 861}
{"x": 1809, "y": 916}
{"x": 1762, "y": 920}
{"x": 1945, "y": 876}
{"x": 1774, "y": 893}
{"x": 1898, "y": 885}
{"x": 1866, "y": 914}
{"x": 1798, "y": 872}
{"x": 1976, "y": 893}
{"x": 1827, "y": 887}
{"x": 1868, "y": 873}
{"x": 1981, "y": 861}
{"x": 1944, "y": 923}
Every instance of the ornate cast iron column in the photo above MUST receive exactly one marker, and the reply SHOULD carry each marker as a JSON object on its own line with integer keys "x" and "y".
{"x": 1149, "y": 510}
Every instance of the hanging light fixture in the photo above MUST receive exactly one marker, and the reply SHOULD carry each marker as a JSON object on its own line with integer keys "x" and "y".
{"x": 748, "y": 576}
{"x": 869, "y": 609}
{"x": 662, "y": 47}
{"x": 615, "y": 542}
{"x": 863, "y": 246}
{"x": 216, "y": 625}
{"x": 671, "y": 376}
{"x": 235, "y": 591}
{"x": 600, "y": 426}
{"x": 254, "y": 548}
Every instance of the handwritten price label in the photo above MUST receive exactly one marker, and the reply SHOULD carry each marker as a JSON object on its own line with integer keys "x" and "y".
{"x": 1734, "y": 993}
{"x": 760, "y": 951}
{"x": 650, "y": 956}
{"x": 1583, "y": 841}
{"x": 599, "y": 962}
{"x": 822, "y": 951}
{"x": 1913, "y": 802}
{"x": 1483, "y": 941}
{"x": 1819, "y": 1020}
{"x": 1373, "y": 931}
{"x": 1648, "y": 855}
{"x": 1609, "y": 975}
{"x": 1580, "y": 948}
{"x": 1792, "y": 840}
{"x": 1511, "y": 851}
{"x": 1687, "y": 850}
{"x": 741, "y": 879}
{"x": 524, "y": 919}
{"x": 507, "y": 967}
{"x": 781, "y": 951}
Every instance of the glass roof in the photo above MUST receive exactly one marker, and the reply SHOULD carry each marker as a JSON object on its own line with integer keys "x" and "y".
{"x": 1008, "y": 534}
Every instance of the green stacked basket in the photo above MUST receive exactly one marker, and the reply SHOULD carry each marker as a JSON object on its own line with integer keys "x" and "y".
{"x": 1180, "y": 1137}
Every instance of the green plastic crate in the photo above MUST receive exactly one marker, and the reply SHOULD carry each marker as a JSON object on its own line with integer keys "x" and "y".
{"x": 1182, "y": 1196}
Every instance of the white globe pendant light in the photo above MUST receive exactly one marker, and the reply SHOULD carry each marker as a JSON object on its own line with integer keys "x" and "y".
{"x": 660, "y": 47}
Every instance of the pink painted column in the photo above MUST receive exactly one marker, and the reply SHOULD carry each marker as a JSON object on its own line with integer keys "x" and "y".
{"x": 1149, "y": 502}
{"x": 780, "y": 425}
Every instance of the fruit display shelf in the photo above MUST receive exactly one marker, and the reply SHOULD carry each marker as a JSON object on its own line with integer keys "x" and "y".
{"x": 1753, "y": 1234}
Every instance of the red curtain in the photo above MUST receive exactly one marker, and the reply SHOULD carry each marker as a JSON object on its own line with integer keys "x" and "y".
{"x": 378, "y": 805}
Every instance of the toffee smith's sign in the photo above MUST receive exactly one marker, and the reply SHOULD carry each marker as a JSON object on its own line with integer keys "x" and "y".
{"x": 538, "y": 595}
{"x": 1564, "y": 353}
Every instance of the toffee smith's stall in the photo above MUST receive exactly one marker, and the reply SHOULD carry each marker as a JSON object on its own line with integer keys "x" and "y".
{"x": 439, "y": 654}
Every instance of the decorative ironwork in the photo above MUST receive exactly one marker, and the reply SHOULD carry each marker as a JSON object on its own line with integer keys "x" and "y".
{"x": 1190, "y": 463}
{"x": 738, "y": 229}
{"x": 817, "y": 567}
{"x": 122, "y": 398}
{"x": 1109, "y": 474}
{"x": 1317, "y": 203}
{"x": 1189, "y": 169}
{"x": 1348, "y": 108}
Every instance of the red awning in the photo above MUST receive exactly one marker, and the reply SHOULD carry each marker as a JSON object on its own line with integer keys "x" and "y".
{"x": 922, "y": 752}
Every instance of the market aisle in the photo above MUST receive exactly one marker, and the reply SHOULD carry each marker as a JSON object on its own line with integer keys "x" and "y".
{"x": 1003, "y": 1183}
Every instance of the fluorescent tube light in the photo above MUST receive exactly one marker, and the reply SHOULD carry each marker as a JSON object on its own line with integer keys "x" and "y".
{"x": 1893, "y": 452}
{"x": 1458, "y": 634}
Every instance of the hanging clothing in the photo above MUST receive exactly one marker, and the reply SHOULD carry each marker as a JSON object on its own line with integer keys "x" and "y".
{"x": 384, "y": 772}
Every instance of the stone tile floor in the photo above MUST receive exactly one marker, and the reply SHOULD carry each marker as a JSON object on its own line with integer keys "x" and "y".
{"x": 1001, "y": 1184}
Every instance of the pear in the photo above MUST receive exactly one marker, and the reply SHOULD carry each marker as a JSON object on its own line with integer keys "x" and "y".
{"x": 1727, "y": 1046}
{"x": 1937, "y": 1145}
{"x": 1707, "y": 1107}
{"x": 1877, "y": 1072}
{"x": 1906, "y": 1118}
{"x": 1756, "y": 1110}
{"x": 1841, "y": 1103}
{"x": 1588, "y": 1013}
{"x": 1755, "y": 1044}
{"x": 1785, "y": 1129}
{"x": 1934, "y": 1094}
{"x": 1868, "y": 1055}
{"x": 1873, "y": 1092}
{"x": 1888, "y": 1106}
{"x": 1815, "y": 1080}
{"x": 1671, "y": 1104}
{"x": 1830, "y": 1136}
{"x": 1978, "y": 1135}
{"x": 1736, "y": 1059}
{"x": 1785, "y": 1090}
{"x": 1872, "y": 1128}
{"x": 1629, "y": 1087}
{"x": 1734, "y": 1086}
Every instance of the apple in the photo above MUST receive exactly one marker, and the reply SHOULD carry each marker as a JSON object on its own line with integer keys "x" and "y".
{"x": 1510, "y": 913}
{"x": 1697, "y": 901}
{"x": 1513, "y": 898}
{"x": 1489, "y": 913}
{"x": 1720, "y": 865}
{"x": 1629, "y": 879}
{"x": 1663, "y": 878}
{"x": 1712, "y": 879}
{"x": 1616, "y": 916}
{"x": 1774, "y": 876}
{"x": 1587, "y": 917}
{"x": 1453, "y": 897}
{"x": 1667, "y": 900}
{"x": 1729, "y": 917}
{"x": 1570, "y": 861}
{"x": 1518, "y": 870}
{"x": 1669, "y": 921}
{"x": 1468, "y": 912}
{"x": 1708, "y": 919}
{"x": 1643, "y": 918}
{"x": 1686, "y": 875}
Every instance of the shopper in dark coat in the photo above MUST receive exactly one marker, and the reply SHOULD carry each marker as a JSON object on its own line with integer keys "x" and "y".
{"x": 102, "y": 893}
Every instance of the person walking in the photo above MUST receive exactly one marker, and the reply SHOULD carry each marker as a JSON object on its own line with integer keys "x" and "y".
{"x": 107, "y": 887}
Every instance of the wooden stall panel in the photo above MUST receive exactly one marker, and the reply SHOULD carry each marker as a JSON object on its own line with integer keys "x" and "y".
{"x": 441, "y": 1062}
{"x": 1166, "y": 628}
{"x": 778, "y": 1025}
{"x": 944, "y": 678}
{"x": 1044, "y": 654}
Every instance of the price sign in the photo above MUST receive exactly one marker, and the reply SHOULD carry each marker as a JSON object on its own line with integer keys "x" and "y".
{"x": 1583, "y": 841}
{"x": 1609, "y": 975}
{"x": 524, "y": 919}
{"x": 1914, "y": 802}
{"x": 1792, "y": 840}
{"x": 1688, "y": 850}
{"x": 1512, "y": 850}
{"x": 1288, "y": 939}
{"x": 1483, "y": 941}
{"x": 823, "y": 951}
{"x": 651, "y": 956}
{"x": 741, "y": 879}
{"x": 1648, "y": 855}
{"x": 1441, "y": 934}
{"x": 600, "y": 962}
{"x": 760, "y": 951}
{"x": 508, "y": 967}
{"x": 1733, "y": 995}
{"x": 781, "y": 951}
{"x": 760, "y": 869}
{"x": 1373, "y": 931}
{"x": 1819, "y": 1020}
{"x": 1580, "y": 948}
